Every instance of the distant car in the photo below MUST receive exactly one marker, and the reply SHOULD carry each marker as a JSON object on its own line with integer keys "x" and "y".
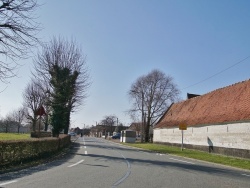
{"x": 72, "y": 134}
{"x": 117, "y": 136}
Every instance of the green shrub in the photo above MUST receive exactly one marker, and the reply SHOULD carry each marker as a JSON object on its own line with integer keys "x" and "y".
{"x": 17, "y": 151}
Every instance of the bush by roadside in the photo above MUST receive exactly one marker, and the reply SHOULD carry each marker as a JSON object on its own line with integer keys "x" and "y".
{"x": 17, "y": 152}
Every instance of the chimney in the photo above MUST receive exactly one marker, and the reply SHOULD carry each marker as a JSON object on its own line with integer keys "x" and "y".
{"x": 190, "y": 95}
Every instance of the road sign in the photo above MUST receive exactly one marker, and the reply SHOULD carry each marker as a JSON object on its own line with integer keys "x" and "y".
{"x": 183, "y": 126}
{"x": 40, "y": 111}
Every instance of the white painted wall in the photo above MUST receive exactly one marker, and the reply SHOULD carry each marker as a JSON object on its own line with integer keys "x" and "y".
{"x": 228, "y": 135}
{"x": 128, "y": 140}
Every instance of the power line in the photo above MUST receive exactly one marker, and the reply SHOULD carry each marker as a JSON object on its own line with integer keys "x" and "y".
{"x": 217, "y": 73}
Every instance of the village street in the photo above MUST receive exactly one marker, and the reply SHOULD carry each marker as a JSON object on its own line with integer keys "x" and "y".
{"x": 95, "y": 162}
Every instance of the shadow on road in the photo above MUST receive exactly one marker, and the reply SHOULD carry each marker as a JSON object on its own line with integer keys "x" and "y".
{"x": 165, "y": 164}
{"x": 162, "y": 163}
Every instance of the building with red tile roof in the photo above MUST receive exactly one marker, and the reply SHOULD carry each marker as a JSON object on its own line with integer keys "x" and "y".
{"x": 135, "y": 126}
{"x": 227, "y": 107}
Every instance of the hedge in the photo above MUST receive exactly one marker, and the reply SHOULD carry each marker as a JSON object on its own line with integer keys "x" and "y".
{"x": 13, "y": 152}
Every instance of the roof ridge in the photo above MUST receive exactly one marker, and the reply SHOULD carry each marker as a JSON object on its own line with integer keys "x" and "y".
{"x": 225, "y": 87}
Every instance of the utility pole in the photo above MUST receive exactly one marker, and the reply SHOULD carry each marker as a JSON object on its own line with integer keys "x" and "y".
{"x": 142, "y": 116}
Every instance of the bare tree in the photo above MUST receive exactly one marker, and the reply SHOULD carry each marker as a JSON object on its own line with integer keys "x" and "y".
{"x": 151, "y": 95}
{"x": 62, "y": 65}
{"x": 109, "y": 122}
{"x": 34, "y": 97}
{"x": 18, "y": 31}
{"x": 18, "y": 116}
{"x": 64, "y": 54}
{"x": 9, "y": 124}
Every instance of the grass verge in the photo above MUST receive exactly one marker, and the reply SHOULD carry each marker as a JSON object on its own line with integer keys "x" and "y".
{"x": 195, "y": 154}
{"x": 14, "y": 136}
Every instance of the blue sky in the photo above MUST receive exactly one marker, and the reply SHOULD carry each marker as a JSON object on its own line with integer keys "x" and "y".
{"x": 122, "y": 40}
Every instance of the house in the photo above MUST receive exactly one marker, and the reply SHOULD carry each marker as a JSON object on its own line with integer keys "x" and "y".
{"x": 136, "y": 127}
{"x": 218, "y": 121}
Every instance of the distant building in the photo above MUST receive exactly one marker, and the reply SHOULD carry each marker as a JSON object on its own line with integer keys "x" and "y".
{"x": 136, "y": 126}
{"x": 101, "y": 130}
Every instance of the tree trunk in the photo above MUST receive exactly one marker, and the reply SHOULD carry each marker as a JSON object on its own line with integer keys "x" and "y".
{"x": 46, "y": 123}
{"x": 34, "y": 125}
{"x": 67, "y": 121}
{"x": 147, "y": 136}
{"x": 147, "y": 132}
{"x": 18, "y": 129}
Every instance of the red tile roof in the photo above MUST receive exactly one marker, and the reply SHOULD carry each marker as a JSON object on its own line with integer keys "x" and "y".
{"x": 228, "y": 104}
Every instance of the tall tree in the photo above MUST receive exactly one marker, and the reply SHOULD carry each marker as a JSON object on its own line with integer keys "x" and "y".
{"x": 18, "y": 30}
{"x": 151, "y": 95}
{"x": 62, "y": 65}
{"x": 63, "y": 81}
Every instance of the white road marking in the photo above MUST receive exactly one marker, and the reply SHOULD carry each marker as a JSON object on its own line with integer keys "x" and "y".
{"x": 248, "y": 175}
{"x": 181, "y": 161}
{"x": 160, "y": 154}
{"x": 76, "y": 163}
{"x": 86, "y": 152}
{"x": 9, "y": 182}
{"x": 85, "y": 147}
{"x": 83, "y": 141}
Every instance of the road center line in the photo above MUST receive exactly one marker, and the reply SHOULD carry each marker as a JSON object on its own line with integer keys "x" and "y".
{"x": 76, "y": 163}
{"x": 9, "y": 182}
{"x": 181, "y": 161}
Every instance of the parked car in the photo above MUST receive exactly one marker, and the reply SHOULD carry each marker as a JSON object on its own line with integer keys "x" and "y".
{"x": 117, "y": 136}
{"x": 72, "y": 134}
{"x": 138, "y": 137}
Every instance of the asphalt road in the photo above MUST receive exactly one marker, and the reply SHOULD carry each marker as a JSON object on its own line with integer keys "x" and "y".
{"x": 95, "y": 162}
